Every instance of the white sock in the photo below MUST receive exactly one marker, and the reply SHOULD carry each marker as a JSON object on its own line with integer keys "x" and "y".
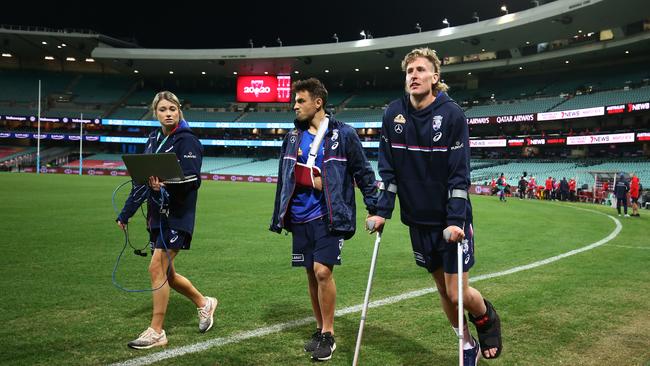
{"x": 468, "y": 341}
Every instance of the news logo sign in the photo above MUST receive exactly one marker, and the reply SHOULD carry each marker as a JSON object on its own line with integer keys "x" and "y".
{"x": 263, "y": 89}
{"x": 600, "y": 139}
{"x": 488, "y": 143}
{"x": 574, "y": 113}
{"x": 634, "y": 107}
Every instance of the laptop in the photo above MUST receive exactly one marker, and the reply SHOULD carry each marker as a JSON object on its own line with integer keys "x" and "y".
{"x": 164, "y": 166}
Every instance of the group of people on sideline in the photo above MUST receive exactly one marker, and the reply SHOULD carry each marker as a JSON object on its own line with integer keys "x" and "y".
{"x": 625, "y": 192}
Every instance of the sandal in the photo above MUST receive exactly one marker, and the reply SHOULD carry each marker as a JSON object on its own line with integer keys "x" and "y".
{"x": 488, "y": 328}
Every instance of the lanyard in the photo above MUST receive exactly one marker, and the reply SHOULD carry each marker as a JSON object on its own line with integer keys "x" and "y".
{"x": 164, "y": 140}
{"x": 162, "y": 143}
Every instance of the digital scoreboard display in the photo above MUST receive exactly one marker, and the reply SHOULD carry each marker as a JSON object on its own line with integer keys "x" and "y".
{"x": 263, "y": 89}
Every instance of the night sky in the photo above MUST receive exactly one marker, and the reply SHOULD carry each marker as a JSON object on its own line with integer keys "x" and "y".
{"x": 219, "y": 24}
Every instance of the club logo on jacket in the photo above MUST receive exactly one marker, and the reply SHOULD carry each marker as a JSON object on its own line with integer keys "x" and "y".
{"x": 399, "y": 119}
{"x": 399, "y": 128}
{"x": 335, "y": 134}
{"x": 437, "y": 122}
{"x": 299, "y": 152}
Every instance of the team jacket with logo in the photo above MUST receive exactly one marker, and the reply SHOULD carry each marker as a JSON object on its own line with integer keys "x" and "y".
{"x": 426, "y": 155}
{"x": 344, "y": 163}
{"x": 182, "y": 197}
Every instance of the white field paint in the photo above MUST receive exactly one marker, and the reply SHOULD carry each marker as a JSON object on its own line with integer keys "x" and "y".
{"x": 260, "y": 332}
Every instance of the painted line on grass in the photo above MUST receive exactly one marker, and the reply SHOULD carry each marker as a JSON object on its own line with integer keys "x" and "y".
{"x": 629, "y": 247}
{"x": 260, "y": 332}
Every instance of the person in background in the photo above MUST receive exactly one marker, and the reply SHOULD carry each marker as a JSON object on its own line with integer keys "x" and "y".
{"x": 634, "y": 194}
{"x": 522, "y": 187}
{"x": 620, "y": 190}
{"x": 572, "y": 189}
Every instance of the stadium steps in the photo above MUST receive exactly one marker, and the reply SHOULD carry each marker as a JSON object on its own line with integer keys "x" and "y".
{"x": 557, "y": 105}
{"x": 344, "y": 103}
{"x": 241, "y": 116}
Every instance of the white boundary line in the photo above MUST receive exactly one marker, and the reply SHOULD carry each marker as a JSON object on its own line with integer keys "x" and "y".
{"x": 260, "y": 332}
{"x": 629, "y": 247}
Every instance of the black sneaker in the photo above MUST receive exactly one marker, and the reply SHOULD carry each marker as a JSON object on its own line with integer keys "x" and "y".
{"x": 312, "y": 343}
{"x": 325, "y": 348}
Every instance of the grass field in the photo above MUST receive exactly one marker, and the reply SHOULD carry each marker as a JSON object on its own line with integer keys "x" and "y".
{"x": 59, "y": 307}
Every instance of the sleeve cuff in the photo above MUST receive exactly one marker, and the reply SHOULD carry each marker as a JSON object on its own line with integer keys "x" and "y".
{"x": 455, "y": 222}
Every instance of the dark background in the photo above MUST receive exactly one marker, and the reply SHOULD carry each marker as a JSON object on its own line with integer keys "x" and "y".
{"x": 218, "y": 24}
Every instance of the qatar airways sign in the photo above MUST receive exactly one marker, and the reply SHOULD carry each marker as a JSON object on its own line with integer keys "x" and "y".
{"x": 600, "y": 139}
{"x": 502, "y": 119}
{"x": 263, "y": 89}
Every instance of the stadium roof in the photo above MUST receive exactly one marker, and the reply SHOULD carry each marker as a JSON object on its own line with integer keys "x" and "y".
{"x": 556, "y": 20}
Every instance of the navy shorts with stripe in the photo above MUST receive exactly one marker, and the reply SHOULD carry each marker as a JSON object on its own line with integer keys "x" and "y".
{"x": 312, "y": 242}
{"x": 174, "y": 239}
{"x": 431, "y": 251}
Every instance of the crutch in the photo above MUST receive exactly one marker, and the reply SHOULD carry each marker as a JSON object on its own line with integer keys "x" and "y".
{"x": 461, "y": 311}
{"x": 364, "y": 309}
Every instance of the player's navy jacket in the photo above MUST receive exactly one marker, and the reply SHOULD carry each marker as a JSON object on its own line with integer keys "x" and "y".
{"x": 182, "y": 197}
{"x": 343, "y": 162}
{"x": 621, "y": 188}
{"x": 425, "y": 154}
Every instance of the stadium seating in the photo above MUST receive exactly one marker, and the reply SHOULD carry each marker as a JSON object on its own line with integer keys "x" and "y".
{"x": 131, "y": 113}
{"x": 91, "y": 89}
{"x": 360, "y": 115}
{"x": 280, "y": 117}
{"x": 514, "y": 107}
{"x": 196, "y": 115}
{"x": 372, "y": 99}
{"x": 606, "y": 98}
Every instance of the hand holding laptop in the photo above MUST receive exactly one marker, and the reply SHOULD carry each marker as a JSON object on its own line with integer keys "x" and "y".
{"x": 155, "y": 183}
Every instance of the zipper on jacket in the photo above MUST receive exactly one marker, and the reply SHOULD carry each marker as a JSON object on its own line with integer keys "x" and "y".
{"x": 324, "y": 181}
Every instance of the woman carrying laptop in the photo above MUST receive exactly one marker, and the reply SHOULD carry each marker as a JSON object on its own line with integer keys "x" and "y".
{"x": 170, "y": 220}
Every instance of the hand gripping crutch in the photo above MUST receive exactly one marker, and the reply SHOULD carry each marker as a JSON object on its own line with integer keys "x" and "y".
{"x": 461, "y": 311}
{"x": 366, "y": 299}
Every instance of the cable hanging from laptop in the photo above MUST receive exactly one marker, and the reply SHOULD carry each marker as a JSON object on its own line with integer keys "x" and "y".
{"x": 164, "y": 199}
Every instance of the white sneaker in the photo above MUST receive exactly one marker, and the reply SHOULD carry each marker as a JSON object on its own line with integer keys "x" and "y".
{"x": 149, "y": 338}
{"x": 206, "y": 314}
{"x": 626, "y": 215}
